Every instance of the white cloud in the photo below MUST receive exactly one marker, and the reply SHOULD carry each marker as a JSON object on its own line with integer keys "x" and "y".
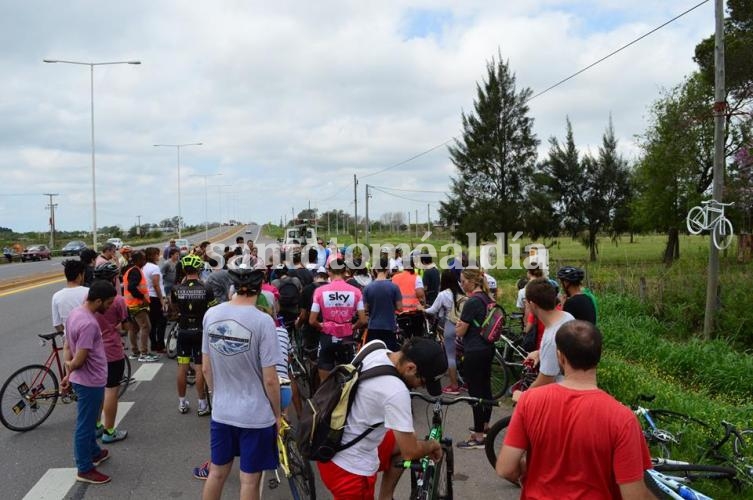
{"x": 291, "y": 99}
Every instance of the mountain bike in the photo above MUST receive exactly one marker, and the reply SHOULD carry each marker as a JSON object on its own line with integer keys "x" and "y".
{"x": 664, "y": 429}
{"x": 508, "y": 363}
{"x": 30, "y": 394}
{"x": 432, "y": 480}
{"x": 711, "y": 216}
{"x": 296, "y": 469}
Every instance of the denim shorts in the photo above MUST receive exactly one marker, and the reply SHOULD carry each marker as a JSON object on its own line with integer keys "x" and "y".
{"x": 256, "y": 447}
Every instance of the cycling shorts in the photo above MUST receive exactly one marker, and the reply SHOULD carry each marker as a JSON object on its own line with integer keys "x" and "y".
{"x": 256, "y": 447}
{"x": 115, "y": 370}
{"x": 332, "y": 353}
{"x": 345, "y": 485}
{"x": 189, "y": 347}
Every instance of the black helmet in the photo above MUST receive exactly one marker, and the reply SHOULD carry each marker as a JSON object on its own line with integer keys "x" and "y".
{"x": 245, "y": 278}
{"x": 571, "y": 274}
{"x": 106, "y": 271}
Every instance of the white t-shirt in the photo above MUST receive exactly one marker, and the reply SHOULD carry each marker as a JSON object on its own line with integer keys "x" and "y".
{"x": 521, "y": 297}
{"x": 548, "y": 364}
{"x": 442, "y": 305}
{"x": 66, "y": 300}
{"x": 149, "y": 270}
{"x": 382, "y": 399}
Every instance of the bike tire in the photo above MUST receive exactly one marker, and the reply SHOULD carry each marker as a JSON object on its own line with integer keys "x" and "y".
{"x": 694, "y": 220}
{"x": 28, "y": 416}
{"x": 422, "y": 492}
{"x": 126, "y": 380}
{"x": 722, "y": 233}
{"x": 494, "y": 438}
{"x": 300, "y": 376}
{"x": 743, "y": 447}
{"x": 501, "y": 375}
{"x": 444, "y": 472}
{"x": 301, "y": 480}
{"x": 171, "y": 343}
{"x": 695, "y": 472}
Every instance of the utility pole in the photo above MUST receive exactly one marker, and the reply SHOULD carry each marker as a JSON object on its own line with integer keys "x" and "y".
{"x": 52, "y": 206}
{"x": 355, "y": 207}
{"x": 428, "y": 218}
{"x": 409, "y": 222}
{"x": 416, "y": 223}
{"x": 720, "y": 109}
{"x": 368, "y": 228}
{"x": 138, "y": 225}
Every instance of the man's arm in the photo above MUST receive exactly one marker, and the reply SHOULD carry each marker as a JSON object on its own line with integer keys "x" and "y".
{"x": 636, "y": 490}
{"x": 461, "y": 328}
{"x": 511, "y": 463}
{"x": 272, "y": 388}
{"x": 78, "y": 360}
{"x": 421, "y": 296}
{"x": 206, "y": 369}
{"x": 411, "y": 448}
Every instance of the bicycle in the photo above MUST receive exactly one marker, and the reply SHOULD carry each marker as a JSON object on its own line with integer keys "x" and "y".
{"x": 296, "y": 469}
{"x": 508, "y": 363}
{"x": 672, "y": 487}
{"x": 30, "y": 394}
{"x": 432, "y": 480}
{"x": 171, "y": 340}
{"x": 663, "y": 429}
{"x": 711, "y": 216}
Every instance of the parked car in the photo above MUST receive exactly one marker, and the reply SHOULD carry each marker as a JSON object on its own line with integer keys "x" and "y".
{"x": 36, "y": 252}
{"x": 183, "y": 245}
{"x": 73, "y": 248}
{"x": 117, "y": 242}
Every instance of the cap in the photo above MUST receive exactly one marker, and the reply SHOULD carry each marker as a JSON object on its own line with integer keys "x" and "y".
{"x": 430, "y": 360}
{"x": 321, "y": 270}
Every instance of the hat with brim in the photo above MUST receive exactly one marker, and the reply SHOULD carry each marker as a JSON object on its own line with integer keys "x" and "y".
{"x": 431, "y": 362}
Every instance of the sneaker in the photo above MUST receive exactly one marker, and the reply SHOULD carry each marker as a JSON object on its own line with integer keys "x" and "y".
{"x": 463, "y": 387}
{"x": 100, "y": 430}
{"x": 202, "y": 471}
{"x": 102, "y": 457}
{"x": 117, "y": 435}
{"x": 471, "y": 444}
{"x": 92, "y": 477}
{"x": 203, "y": 412}
{"x": 452, "y": 390}
{"x": 134, "y": 355}
{"x": 148, "y": 358}
{"x": 184, "y": 406}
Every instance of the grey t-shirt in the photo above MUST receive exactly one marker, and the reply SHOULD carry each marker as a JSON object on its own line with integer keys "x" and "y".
{"x": 548, "y": 364}
{"x": 219, "y": 282}
{"x": 240, "y": 341}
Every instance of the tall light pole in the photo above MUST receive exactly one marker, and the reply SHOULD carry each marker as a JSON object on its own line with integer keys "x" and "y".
{"x": 94, "y": 183}
{"x": 206, "y": 203}
{"x": 219, "y": 195}
{"x": 177, "y": 148}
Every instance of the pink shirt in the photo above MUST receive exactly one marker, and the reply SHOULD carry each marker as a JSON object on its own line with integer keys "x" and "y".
{"x": 109, "y": 324}
{"x": 338, "y": 302}
{"x": 82, "y": 332}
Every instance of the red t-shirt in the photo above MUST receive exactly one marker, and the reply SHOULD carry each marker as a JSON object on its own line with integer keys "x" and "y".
{"x": 580, "y": 444}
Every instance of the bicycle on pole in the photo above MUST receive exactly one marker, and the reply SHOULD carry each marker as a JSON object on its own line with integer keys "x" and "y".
{"x": 711, "y": 217}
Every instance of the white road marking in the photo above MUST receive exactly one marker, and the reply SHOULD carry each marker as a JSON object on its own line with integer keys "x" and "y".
{"x": 147, "y": 371}
{"x": 53, "y": 485}
{"x": 123, "y": 408}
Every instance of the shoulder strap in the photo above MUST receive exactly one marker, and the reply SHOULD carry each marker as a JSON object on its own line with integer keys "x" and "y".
{"x": 366, "y": 351}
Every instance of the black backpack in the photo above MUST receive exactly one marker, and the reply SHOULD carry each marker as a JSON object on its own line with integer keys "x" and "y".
{"x": 290, "y": 295}
{"x": 322, "y": 421}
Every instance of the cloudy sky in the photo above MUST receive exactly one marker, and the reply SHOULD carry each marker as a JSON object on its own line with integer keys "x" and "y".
{"x": 290, "y": 99}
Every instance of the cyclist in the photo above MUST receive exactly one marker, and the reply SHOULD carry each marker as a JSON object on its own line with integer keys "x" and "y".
{"x": 577, "y": 302}
{"x": 384, "y": 402}
{"x": 240, "y": 352}
{"x": 337, "y": 302}
{"x": 192, "y": 299}
{"x": 410, "y": 318}
{"x": 381, "y": 299}
{"x": 111, "y": 323}
{"x": 136, "y": 294}
{"x": 578, "y": 441}
{"x": 290, "y": 288}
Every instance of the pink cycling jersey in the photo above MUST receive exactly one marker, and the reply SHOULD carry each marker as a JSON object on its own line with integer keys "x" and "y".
{"x": 337, "y": 302}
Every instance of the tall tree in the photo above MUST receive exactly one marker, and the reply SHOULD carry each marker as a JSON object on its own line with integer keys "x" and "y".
{"x": 494, "y": 158}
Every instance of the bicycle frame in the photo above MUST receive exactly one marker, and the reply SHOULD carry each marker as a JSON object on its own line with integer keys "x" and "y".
{"x": 674, "y": 486}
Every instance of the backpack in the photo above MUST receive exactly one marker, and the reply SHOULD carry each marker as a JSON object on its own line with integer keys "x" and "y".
{"x": 457, "y": 310}
{"x": 322, "y": 421}
{"x": 290, "y": 295}
{"x": 494, "y": 322}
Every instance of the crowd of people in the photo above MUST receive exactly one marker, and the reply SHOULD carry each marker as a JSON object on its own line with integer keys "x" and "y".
{"x": 238, "y": 323}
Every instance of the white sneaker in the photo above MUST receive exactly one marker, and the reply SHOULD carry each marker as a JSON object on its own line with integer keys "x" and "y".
{"x": 184, "y": 407}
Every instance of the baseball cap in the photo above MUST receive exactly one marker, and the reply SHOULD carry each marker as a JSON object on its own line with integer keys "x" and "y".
{"x": 321, "y": 270}
{"x": 431, "y": 362}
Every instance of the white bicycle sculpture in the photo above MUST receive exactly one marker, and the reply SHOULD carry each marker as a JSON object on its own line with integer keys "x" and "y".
{"x": 711, "y": 216}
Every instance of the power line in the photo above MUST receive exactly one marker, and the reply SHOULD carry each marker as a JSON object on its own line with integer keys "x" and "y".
{"x": 408, "y": 190}
{"x": 551, "y": 87}
{"x": 400, "y": 196}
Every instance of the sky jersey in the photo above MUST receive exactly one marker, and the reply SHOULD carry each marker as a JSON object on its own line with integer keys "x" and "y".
{"x": 337, "y": 302}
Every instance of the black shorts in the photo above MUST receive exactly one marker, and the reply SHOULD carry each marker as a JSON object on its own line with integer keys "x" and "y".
{"x": 115, "y": 370}
{"x": 189, "y": 347}
{"x": 335, "y": 350}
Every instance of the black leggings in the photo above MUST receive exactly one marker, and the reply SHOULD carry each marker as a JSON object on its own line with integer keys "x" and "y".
{"x": 478, "y": 375}
{"x": 157, "y": 318}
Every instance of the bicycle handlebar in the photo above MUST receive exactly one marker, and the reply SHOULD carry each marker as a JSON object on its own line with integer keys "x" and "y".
{"x": 449, "y": 402}
{"x": 714, "y": 202}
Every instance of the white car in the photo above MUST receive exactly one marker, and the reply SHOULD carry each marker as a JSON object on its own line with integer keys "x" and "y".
{"x": 117, "y": 242}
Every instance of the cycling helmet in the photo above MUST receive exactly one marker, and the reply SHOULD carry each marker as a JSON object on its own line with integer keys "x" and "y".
{"x": 246, "y": 279}
{"x": 192, "y": 261}
{"x": 571, "y": 274}
{"x": 106, "y": 271}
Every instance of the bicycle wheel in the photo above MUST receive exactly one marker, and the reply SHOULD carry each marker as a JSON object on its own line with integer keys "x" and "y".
{"x": 171, "y": 343}
{"x": 420, "y": 483}
{"x": 301, "y": 480}
{"x": 300, "y": 377}
{"x": 495, "y": 436}
{"x": 443, "y": 476}
{"x": 126, "y": 378}
{"x": 501, "y": 375}
{"x": 28, "y": 397}
{"x": 695, "y": 472}
{"x": 722, "y": 233}
{"x": 695, "y": 220}
{"x": 743, "y": 446}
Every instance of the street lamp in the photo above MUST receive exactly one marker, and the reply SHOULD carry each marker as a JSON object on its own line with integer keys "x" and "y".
{"x": 206, "y": 203}
{"x": 219, "y": 195}
{"x": 177, "y": 147}
{"x": 94, "y": 184}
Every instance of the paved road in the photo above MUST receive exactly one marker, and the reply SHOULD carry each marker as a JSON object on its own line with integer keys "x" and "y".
{"x": 156, "y": 459}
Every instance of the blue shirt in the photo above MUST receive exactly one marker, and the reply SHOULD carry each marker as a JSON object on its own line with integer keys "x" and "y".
{"x": 380, "y": 298}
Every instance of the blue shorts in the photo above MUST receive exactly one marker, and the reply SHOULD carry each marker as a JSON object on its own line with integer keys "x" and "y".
{"x": 256, "y": 447}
